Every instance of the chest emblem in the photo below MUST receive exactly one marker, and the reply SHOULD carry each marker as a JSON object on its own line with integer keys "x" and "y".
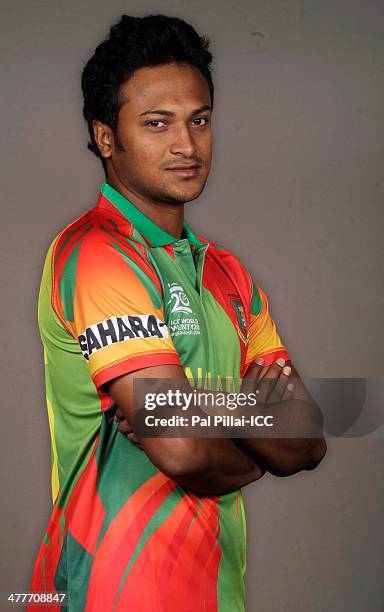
{"x": 182, "y": 321}
{"x": 242, "y": 327}
{"x": 240, "y": 314}
{"x": 180, "y": 300}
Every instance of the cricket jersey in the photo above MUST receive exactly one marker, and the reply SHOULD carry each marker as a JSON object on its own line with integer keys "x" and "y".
{"x": 120, "y": 294}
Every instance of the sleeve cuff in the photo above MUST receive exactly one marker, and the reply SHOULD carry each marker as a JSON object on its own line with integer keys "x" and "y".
{"x": 134, "y": 363}
{"x": 271, "y": 356}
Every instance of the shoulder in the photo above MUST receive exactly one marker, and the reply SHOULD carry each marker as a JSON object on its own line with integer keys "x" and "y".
{"x": 222, "y": 253}
{"x": 245, "y": 280}
{"x": 95, "y": 242}
{"x": 228, "y": 260}
{"x": 97, "y": 258}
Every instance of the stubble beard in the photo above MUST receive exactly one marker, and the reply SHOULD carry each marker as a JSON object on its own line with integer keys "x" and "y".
{"x": 167, "y": 196}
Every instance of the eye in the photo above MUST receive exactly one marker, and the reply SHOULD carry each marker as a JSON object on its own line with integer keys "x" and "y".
{"x": 156, "y": 123}
{"x": 201, "y": 121}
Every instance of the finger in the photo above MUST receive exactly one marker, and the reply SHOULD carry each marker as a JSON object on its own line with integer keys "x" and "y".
{"x": 119, "y": 415}
{"x": 252, "y": 375}
{"x": 124, "y": 427}
{"x": 267, "y": 383}
{"x": 278, "y": 390}
{"x": 289, "y": 391}
{"x": 256, "y": 366}
{"x": 132, "y": 438}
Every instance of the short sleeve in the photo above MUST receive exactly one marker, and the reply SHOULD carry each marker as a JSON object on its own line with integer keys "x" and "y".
{"x": 263, "y": 337}
{"x": 109, "y": 298}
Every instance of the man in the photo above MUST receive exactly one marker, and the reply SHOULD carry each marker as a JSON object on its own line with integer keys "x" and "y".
{"x": 130, "y": 291}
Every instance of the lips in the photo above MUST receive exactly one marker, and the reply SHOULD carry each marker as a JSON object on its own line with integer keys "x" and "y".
{"x": 185, "y": 171}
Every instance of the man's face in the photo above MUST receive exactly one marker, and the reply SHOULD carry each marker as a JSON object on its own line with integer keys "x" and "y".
{"x": 164, "y": 129}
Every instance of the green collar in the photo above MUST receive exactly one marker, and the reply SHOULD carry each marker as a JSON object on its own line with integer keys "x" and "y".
{"x": 148, "y": 228}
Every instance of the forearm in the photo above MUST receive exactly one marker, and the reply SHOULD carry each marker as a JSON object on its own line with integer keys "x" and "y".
{"x": 210, "y": 466}
{"x": 284, "y": 456}
{"x": 297, "y": 443}
{"x": 225, "y": 468}
{"x": 219, "y": 465}
{"x": 295, "y": 439}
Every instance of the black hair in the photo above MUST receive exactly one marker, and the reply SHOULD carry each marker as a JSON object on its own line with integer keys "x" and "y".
{"x": 136, "y": 42}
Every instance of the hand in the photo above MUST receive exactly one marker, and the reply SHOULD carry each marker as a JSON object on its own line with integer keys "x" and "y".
{"x": 124, "y": 427}
{"x": 275, "y": 378}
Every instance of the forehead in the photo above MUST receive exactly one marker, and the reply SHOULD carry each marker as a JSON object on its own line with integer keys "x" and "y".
{"x": 173, "y": 84}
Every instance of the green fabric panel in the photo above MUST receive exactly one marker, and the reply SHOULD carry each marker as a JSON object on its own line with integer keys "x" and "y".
{"x": 60, "y": 578}
{"x": 184, "y": 257}
{"x": 143, "y": 277}
{"x": 74, "y": 442}
{"x": 220, "y": 327}
{"x": 256, "y": 303}
{"x": 78, "y": 564}
{"x": 67, "y": 285}
{"x": 76, "y": 422}
{"x": 232, "y": 564}
{"x": 76, "y": 425}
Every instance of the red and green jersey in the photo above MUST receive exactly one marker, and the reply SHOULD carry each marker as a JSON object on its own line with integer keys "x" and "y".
{"x": 119, "y": 294}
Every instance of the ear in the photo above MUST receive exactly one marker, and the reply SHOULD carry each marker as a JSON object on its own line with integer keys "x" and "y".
{"x": 103, "y": 137}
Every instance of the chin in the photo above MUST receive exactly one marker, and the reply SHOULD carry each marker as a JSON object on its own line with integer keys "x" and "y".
{"x": 185, "y": 195}
{"x": 189, "y": 197}
{"x": 176, "y": 197}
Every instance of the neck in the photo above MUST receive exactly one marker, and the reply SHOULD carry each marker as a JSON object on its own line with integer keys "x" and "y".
{"x": 169, "y": 217}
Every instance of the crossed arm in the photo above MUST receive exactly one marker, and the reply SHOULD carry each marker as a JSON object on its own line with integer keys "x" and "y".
{"x": 214, "y": 466}
{"x": 297, "y": 415}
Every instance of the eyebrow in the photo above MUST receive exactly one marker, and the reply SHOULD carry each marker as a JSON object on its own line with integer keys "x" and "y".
{"x": 166, "y": 113}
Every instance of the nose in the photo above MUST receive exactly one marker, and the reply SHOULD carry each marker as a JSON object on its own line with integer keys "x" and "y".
{"x": 183, "y": 143}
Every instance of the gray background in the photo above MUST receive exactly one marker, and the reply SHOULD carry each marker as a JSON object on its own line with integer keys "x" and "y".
{"x": 296, "y": 192}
